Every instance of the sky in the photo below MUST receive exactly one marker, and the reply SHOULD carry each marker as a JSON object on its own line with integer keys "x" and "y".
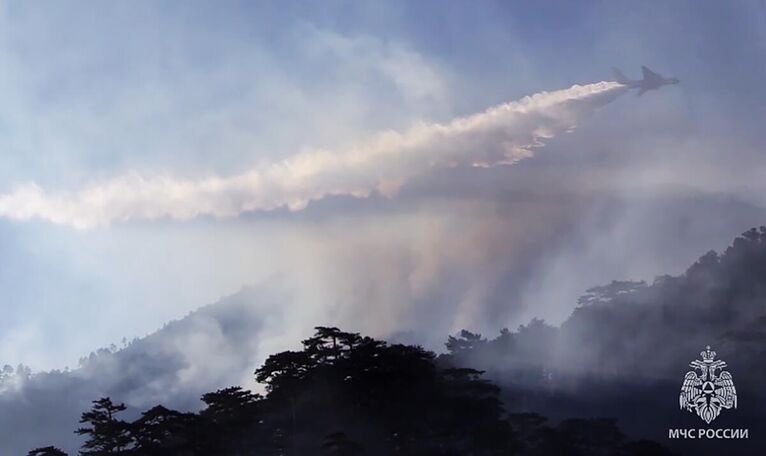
{"x": 141, "y": 100}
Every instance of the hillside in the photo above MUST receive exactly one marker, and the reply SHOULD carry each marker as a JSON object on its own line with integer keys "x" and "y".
{"x": 626, "y": 347}
{"x": 622, "y": 337}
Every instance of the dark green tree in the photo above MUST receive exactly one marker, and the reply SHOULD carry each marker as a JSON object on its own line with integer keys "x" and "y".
{"x": 465, "y": 342}
{"x": 161, "y": 431}
{"x": 231, "y": 420}
{"x": 340, "y": 380}
{"x": 106, "y": 434}
{"x": 231, "y": 407}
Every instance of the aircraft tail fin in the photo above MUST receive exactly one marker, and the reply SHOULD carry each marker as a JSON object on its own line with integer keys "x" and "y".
{"x": 619, "y": 76}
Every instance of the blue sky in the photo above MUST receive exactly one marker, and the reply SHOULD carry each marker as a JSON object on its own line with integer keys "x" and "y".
{"x": 94, "y": 90}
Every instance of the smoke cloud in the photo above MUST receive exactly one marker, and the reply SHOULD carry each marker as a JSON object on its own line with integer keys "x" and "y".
{"x": 503, "y": 134}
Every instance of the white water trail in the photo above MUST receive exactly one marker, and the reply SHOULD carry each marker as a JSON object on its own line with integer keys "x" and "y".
{"x": 503, "y": 134}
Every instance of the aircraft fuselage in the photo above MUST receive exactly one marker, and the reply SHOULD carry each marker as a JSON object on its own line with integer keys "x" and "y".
{"x": 651, "y": 80}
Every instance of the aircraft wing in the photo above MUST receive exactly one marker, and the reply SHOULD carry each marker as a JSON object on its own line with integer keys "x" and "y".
{"x": 650, "y": 75}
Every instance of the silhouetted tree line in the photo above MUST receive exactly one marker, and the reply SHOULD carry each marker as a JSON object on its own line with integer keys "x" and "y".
{"x": 625, "y": 347}
{"x": 719, "y": 301}
{"x": 345, "y": 394}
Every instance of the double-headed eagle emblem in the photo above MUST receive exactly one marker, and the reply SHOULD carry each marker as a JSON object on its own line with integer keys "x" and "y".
{"x": 710, "y": 391}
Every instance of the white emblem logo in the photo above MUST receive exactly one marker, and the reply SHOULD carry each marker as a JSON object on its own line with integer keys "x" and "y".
{"x": 708, "y": 392}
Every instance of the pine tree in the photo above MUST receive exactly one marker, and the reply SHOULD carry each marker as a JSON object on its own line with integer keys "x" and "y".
{"x": 106, "y": 435}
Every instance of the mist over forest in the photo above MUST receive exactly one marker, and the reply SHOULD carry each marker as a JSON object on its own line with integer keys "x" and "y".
{"x": 381, "y": 227}
{"x": 612, "y": 371}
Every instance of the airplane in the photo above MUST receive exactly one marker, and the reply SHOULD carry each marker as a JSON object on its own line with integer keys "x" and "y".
{"x": 651, "y": 81}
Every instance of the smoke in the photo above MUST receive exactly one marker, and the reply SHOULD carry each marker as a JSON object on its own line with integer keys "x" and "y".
{"x": 503, "y": 134}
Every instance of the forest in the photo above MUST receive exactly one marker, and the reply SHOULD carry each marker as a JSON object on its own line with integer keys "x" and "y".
{"x": 346, "y": 394}
{"x": 605, "y": 382}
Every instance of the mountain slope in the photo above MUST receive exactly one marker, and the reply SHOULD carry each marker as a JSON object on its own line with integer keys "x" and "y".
{"x": 622, "y": 334}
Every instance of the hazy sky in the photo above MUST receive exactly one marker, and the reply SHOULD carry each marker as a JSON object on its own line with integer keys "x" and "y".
{"x": 95, "y": 91}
